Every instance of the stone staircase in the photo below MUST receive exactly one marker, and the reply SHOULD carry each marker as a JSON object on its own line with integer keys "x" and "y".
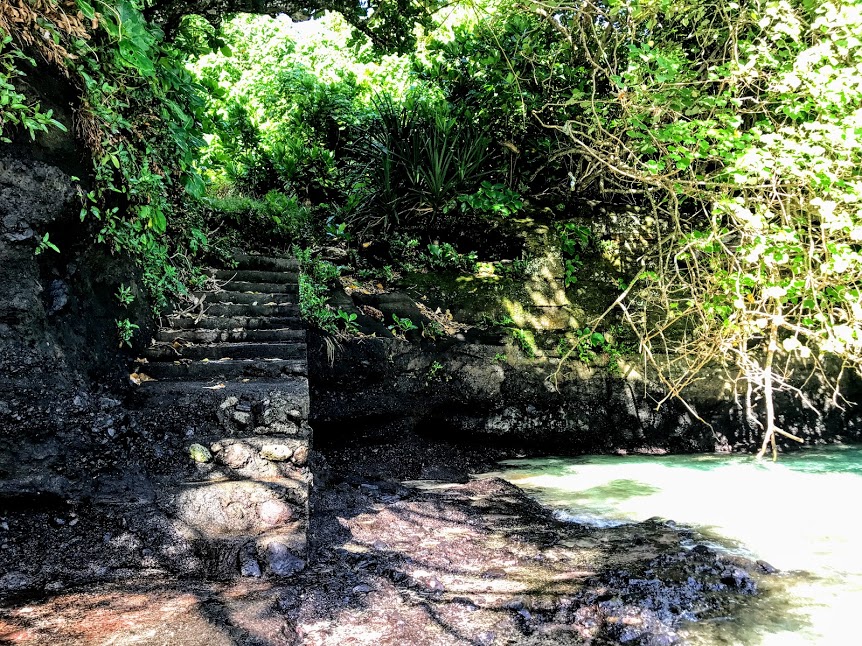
{"x": 229, "y": 383}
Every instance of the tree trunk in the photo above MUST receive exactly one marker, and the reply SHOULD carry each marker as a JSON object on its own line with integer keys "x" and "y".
{"x": 768, "y": 394}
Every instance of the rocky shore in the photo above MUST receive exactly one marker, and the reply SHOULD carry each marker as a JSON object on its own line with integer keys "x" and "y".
{"x": 397, "y": 561}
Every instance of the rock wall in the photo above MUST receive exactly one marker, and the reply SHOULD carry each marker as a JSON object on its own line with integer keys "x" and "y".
{"x": 59, "y": 357}
{"x": 481, "y": 392}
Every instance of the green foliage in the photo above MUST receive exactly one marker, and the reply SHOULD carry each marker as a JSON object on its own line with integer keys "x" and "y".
{"x": 337, "y": 230}
{"x": 402, "y": 325}
{"x": 45, "y": 244}
{"x": 432, "y": 330}
{"x": 738, "y": 123}
{"x": 508, "y": 71}
{"x": 282, "y": 102}
{"x": 139, "y": 115}
{"x": 445, "y": 256}
{"x": 588, "y": 344}
{"x": 124, "y": 295}
{"x": 492, "y": 200}
{"x": 409, "y": 163}
{"x": 15, "y": 109}
{"x": 348, "y": 320}
{"x": 434, "y": 370}
{"x": 438, "y": 256}
{"x": 575, "y": 239}
{"x": 315, "y": 277}
{"x": 258, "y": 222}
{"x": 126, "y": 331}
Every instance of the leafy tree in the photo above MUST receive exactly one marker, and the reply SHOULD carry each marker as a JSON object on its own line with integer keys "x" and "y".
{"x": 738, "y": 123}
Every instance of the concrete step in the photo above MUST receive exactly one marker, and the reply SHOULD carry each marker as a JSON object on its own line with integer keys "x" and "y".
{"x": 268, "y": 263}
{"x": 246, "y": 309}
{"x": 227, "y": 350}
{"x": 233, "y": 322}
{"x": 255, "y": 276}
{"x": 289, "y": 392}
{"x": 226, "y": 369}
{"x": 241, "y": 297}
{"x": 228, "y": 336}
{"x": 261, "y": 288}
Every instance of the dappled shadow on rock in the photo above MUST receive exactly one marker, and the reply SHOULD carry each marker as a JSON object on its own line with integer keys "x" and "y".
{"x": 153, "y": 612}
{"x": 480, "y": 563}
{"x": 421, "y": 563}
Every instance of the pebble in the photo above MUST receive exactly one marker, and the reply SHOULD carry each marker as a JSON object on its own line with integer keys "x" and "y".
{"x": 436, "y": 585}
{"x": 362, "y": 588}
{"x": 250, "y": 567}
{"x": 200, "y": 453}
{"x": 281, "y": 562}
{"x": 276, "y": 452}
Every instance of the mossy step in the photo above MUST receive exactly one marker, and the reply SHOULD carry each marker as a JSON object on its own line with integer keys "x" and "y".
{"x": 226, "y": 369}
{"x": 233, "y": 322}
{"x": 255, "y": 275}
{"x": 227, "y": 336}
{"x": 242, "y": 297}
{"x": 268, "y": 263}
{"x": 260, "y": 288}
{"x": 227, "y": 350}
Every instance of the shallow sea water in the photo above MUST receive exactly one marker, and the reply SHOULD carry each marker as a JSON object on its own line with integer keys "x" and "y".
{"x": 802, "y": 514}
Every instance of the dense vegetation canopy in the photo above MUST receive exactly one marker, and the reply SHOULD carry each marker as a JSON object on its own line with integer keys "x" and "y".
{"x": 734, "y": 130}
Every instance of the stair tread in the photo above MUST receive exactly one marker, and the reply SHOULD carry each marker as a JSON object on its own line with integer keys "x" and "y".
{"x": 225, "y": 369}
{"x": 252, "y": 261}
{"x": 299, "y": 383}
{"x": 233, "y": 322}
{"x": 255, "y": 275}
{"x": 249, "y": 309}
{"x": 292, "y": 349}
{"x": 245, "y": 344}
{"x": 247, "y": 297}
{"x": 203, "y": 335}
{"x": 259, "y": 287}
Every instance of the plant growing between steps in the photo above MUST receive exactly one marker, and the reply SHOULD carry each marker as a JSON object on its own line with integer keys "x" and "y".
{"x": 526, "y": 340}
{"x": 348, "y": 320}
{"x": 315, "y": 278}
{"x": 402, "y": 325}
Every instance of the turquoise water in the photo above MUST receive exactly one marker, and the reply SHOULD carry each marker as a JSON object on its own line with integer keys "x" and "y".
{"x": 801, "y": 514}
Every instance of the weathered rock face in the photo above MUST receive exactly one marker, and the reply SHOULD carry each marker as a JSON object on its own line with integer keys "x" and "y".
{"x": 57, "y": 330}
{"x": 483, "y": 393}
